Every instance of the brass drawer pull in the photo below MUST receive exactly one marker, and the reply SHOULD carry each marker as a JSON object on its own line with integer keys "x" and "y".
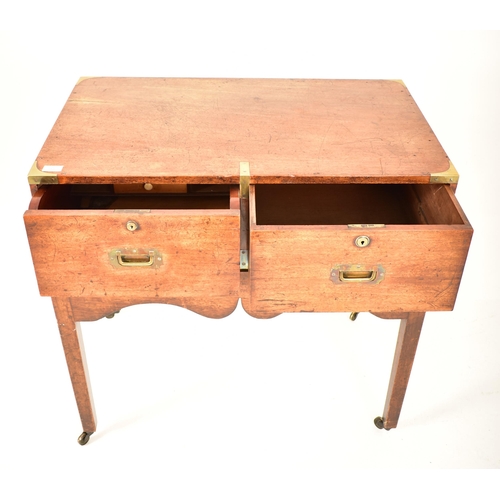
{"x": 135, "y": 258}
{"x": 357, "y": 275}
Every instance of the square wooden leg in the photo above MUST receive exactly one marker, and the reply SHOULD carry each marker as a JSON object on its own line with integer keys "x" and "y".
{"x": 406, "y": 347}
{"x": 77, "y": 365}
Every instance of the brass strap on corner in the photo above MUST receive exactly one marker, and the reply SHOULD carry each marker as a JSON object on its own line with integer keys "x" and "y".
{"x": 449, "y": 176}
{"x": 400, "y": 82}
{"x": 244, "y": 214}
{"x": 36, "y": 176}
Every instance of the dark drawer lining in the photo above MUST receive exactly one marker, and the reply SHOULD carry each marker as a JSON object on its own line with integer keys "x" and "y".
{"x": 103, "y": 197}
{"x": 342, "y": 204}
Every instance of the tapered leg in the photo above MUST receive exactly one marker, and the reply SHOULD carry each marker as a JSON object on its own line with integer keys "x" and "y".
{"x": 77, "y": 365}
{"x": 409, "y": 333}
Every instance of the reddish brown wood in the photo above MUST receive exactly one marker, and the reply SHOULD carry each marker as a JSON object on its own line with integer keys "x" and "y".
{"x": 167, "y": 130}
{"x": 199, "y": 248}
{"x": 91, "y": 309}
{"x": 245, "y": 295}
{"x": 48, "y": 196}
{"x": 291, "y": 265}
{"x": 75, "y": 358}
{"x": 439, "y": 205}
{"x": 37, "y": 195}
{"x": 409, "y": 334}
{"x": 393, "y": 315}
{"x": 234, "y": 198}
{"x": 166, "y": 153}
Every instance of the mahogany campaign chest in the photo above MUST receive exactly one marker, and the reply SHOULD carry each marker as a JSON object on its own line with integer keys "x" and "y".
{"x": 289, "y": 195}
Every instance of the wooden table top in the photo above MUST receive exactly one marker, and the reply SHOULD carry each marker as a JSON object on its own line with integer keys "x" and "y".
{"x": 175, "y": 130}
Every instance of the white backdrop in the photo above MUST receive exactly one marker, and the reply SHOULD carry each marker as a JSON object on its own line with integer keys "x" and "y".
{"x": 239, "y": 408}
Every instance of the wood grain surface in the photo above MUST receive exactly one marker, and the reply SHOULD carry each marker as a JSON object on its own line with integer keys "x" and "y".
{"x": 199, "y": 248}
{"x": 291, "y": 265}
{"x": 74, "y": 351}
{"x": 330, "y": 160}
{"x": 174, "y": 130}
{"x": 406, "y": 347}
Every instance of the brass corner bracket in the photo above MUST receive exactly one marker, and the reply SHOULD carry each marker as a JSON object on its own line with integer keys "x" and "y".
{"x": 83, "y": 78}
{"x": 449, "y": 176}
{"x": 36, "y": 176}
{"x": 401, "y": 82}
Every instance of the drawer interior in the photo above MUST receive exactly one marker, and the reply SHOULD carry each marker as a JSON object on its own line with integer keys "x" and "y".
{"x": 107, "y": 197}
{"x": 342, "y": 204}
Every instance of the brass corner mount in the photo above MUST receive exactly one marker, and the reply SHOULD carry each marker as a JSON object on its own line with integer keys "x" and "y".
{"x": 36, "y": 176}
{"x": 449, "y": 176}
{"x": 400, "y": 82}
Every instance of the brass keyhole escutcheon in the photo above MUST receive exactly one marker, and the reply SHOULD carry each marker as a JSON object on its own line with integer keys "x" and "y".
{"x": 362, "y": 241}
{"x": 132, "y": 225}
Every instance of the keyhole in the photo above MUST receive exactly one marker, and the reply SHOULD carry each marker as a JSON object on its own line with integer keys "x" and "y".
{"x": 132, "y": 225}
{"x": 362, "y": 241}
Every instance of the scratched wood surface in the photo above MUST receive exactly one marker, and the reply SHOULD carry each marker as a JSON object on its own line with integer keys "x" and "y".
{"x": 166, "y": 130}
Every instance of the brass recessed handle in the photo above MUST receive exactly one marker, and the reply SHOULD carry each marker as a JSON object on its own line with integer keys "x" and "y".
{"x": 135, "y": 257}
{"x": 356, "y": 276}
{"x": 357, "y": 273}
{"x": 135, "y": 260}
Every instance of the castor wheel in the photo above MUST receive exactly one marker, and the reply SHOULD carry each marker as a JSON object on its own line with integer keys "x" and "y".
{"x": 112, "y": 315}
{"x": 353, "y": 316}
{"x": 84, "y": 437}
{"x": 379, "y": 423}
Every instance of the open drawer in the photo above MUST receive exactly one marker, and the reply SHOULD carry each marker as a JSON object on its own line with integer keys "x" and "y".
{"x": 355, "y": 247}
{"x": 99, "y": 241}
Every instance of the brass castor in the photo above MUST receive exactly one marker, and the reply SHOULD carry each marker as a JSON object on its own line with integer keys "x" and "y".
{"x": 379, "y": 423}
{"x": 84, "y": 437}
{"x": 353, "y": 316}
{"x": 112, "y": 315}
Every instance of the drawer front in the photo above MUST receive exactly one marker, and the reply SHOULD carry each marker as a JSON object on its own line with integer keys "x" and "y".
{"x": 170, "y": 253}
{"x": 399, "y": 267}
